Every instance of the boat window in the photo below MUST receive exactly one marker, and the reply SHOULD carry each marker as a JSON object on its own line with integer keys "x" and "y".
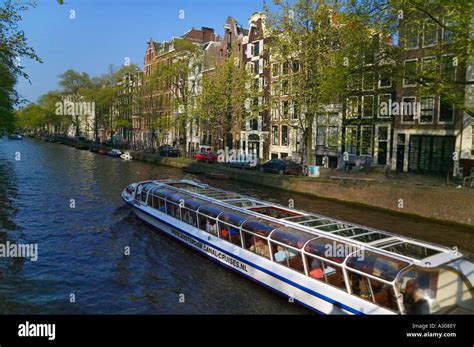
{"x": 172, "y": 209}
{"x": 260, "y": 228}
{"x": 229, "y": 227}
{"x": 316, "y": 223}
{"x": 288, "y": 257}
{"x": 334, "y": 227}
{"x": 192, "y": 204}
{"x": 371, "y": 237}
{"x": 292, "y": 237}
{"x": 189, "y": 216}
{"x": 351, "y": 232}
{"x": 207, "y": 224}
{"x": 360, "y": 286}
{"x": 325, "y": 272}
{"x": 243, "y": 203}
{"x": 435, "y": 290}
{"x": 274, "y": 212}
{"x": 384, "y": 294}
{"x": 256, "y": 244}
{"x": 412, "y": 250}
{"x": 138, "y": 194}
{"x": 300, "y": 219}
{"x": 376, "y": 264}
{"x": 331, "y": 249}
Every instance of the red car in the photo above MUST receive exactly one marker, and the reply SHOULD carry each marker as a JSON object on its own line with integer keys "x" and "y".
{"x": 206, "y": 157}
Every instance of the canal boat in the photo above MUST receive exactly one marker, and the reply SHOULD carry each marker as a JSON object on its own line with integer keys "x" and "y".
{"x": 126, "y": 156}
{"x": 15, "y": 137}
{"x": 327, "y": 265}
{"x": 116, "y": 153}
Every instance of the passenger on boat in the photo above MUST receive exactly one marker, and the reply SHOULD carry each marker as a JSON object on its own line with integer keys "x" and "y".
{"x": 414, "y": 299}
{"x": 283, "y": 254}
{"x": 211, "y": 226}
{"x": 260, "y": 248}
{"x": 316, "y": 269}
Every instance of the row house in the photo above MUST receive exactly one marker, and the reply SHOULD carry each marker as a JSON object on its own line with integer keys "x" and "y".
{"x": 433, "y": 136}
{"x": 127, "y": 108}
{"x": 367, "y": 123}
{"x": 254, "y": 137}
{"x": 160, "y": 108}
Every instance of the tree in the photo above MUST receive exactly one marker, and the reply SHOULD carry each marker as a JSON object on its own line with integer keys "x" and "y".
{"x": 72, "y": 83}
{"x": 309, "y": 41}
{"x": 226, "y": 99}
{"x": 13, "y": 46}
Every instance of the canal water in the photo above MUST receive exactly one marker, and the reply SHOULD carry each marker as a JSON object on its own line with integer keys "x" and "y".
{"x": 67, "y": 201}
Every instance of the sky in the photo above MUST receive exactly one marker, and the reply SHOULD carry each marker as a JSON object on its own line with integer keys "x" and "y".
{"x": 106, "y": 32}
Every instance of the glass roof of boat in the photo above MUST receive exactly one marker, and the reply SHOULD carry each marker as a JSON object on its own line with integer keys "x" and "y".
{"x": 320, "y": 227}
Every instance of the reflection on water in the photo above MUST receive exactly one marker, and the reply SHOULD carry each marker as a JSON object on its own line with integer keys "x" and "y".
{"x": 81, "y": 249}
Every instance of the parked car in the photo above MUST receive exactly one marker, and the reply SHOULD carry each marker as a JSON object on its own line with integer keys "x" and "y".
{"x": 168, "y": 151}
{"x": 244, "y": 165}
{"x": 282, "y": 167}
{"x": 114, "y": 153}
{"x": 206, "y": 157}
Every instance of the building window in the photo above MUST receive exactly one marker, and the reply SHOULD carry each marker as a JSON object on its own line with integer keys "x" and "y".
{"x": 409, "y": 78}
{"x": 446, "y": 111}
{"x": 274, "y": 112}
{"x": 384, "y": 106}
{"x": 286, "y": 68}
{"x": 430, "y": 33}
{"x": 284, "y": 135}
{"x": 411, "y": 37}
{"x": 351, "y": 140}
{"x": 275, "y": 70}
{"x": 285, "y": 87}
{"x": 448, "y": 35}
{"x": 368, "y": 106}
{"x": 428, "y": 67}
{"x": 353, "y": 82}
{"x": 385, "y": 79}
{"x": 275, "y": 135}
{"x": 352, "y": 107}
{"x": 295, "y": 111}
{"x": 427, "y": 109}
{"x": 333, "y": 136}
{"x": 256, "y": 49}
{"x": 256, "y": 67}
{"x": 295, "y": 66}
{"x": 448, "y": 68}
{"x": 366, "y": 134}
{"x": 285, "y": 109}
{"x": 382, "y": 145}
{"x": 408, "y": 109}
{"x": 321, "y": 135}
{"x": 368, "y": 81}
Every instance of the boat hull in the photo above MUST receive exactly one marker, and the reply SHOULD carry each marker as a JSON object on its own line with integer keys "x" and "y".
{"x": 298, "y": 288}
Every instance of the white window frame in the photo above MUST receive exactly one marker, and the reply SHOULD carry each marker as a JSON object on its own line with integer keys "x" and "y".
{"x": 378, "y": 106}
{"x": 363, "y": 80}
{"x": 423, "y": 45}
{"x": 347, "y": 108}
{"x": 416, "y": 71}
{"x": 417, "y": 40}
{"x": 380, "y": 80}
{"x": 363, "y": 106}
{"x": 441, "y": 64}
{"x": 401, "y": 110}
{"x": 421, "y": 107}
{"x": 439, "y": 113}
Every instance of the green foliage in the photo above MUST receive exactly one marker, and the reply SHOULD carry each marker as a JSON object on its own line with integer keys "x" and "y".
{"x": 13, "y": 45}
